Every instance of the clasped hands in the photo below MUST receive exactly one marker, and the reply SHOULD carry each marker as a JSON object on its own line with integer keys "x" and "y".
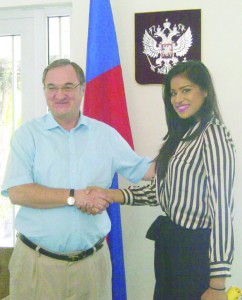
{"x": 93, "y": 200}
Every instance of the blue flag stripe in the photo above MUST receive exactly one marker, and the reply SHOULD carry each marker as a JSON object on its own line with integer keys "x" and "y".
{"x": 102, "y": 40}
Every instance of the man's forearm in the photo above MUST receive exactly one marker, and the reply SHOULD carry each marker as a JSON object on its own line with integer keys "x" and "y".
{"x": 38, "y": 196}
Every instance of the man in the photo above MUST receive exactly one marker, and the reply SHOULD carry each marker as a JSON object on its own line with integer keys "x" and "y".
{"x": 61, "y": 252}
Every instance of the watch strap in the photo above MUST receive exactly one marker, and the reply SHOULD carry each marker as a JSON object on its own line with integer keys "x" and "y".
{"x": 72, "y": 192}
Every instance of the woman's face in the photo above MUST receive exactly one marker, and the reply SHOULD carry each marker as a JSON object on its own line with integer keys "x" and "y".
{"x": 186, "y": 97}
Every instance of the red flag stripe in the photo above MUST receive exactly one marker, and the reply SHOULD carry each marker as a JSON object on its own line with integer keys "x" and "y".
{"x": 106, "y": 102}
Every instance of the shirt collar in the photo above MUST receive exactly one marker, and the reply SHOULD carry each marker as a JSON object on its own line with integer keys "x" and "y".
{"x": 50, "y": 122}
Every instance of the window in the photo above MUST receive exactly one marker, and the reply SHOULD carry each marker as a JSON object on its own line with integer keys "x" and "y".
{"x": 10, "y": 118}
{"x": 58, "y": 37}
{"x": 21, "y": 94}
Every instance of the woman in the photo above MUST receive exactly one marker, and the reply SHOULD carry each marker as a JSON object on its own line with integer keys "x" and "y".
{"x": 194, "y": 186}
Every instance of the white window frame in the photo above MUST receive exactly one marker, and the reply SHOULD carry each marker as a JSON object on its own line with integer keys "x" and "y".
{"x": 31, "y": 24}
{"x": 34, "y": 104}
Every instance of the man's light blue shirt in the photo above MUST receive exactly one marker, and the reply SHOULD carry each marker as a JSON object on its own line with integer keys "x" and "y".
{"x": 43, "y": 152}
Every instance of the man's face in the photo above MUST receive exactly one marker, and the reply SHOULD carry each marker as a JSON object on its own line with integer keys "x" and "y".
{"x": 63, "y": 93}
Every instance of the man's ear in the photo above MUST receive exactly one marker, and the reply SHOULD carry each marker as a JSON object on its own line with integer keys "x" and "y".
{"x": 83, "y": 87}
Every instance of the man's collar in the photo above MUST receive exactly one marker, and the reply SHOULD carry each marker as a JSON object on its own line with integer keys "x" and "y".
{"x": 51, "y": 123}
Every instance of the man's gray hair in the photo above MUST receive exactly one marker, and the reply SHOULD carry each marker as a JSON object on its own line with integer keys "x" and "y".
{"x": 65, "y": 62}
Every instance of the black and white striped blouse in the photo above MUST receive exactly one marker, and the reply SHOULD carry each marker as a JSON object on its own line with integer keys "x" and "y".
{"x": 198, "y": 191}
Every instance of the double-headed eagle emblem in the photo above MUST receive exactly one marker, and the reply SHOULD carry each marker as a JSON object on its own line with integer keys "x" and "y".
{"x": 164, "y": 47}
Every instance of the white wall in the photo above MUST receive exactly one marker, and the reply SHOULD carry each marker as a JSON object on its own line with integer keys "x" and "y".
{"x": 221, "y": 52}
{"x": 20, "y": 3}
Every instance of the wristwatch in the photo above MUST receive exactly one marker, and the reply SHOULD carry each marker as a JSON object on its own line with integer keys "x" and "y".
{"x": 71, "y": 200}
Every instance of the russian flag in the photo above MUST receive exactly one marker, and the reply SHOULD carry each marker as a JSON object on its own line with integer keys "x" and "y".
{"x": 105, "y": 101}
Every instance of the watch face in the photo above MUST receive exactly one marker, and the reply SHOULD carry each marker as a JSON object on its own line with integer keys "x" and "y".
{"x": 71, "y": 200}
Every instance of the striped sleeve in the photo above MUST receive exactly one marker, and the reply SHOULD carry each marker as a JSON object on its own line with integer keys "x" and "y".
{"x": 141, "y": 195}
{"x": 219, "y": 160}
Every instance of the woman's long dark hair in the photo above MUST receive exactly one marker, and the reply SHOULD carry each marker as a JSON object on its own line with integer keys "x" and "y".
{"x": 197, "y": 73}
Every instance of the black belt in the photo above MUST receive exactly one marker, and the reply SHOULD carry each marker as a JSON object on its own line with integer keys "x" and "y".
{"x": 74, "y": 257}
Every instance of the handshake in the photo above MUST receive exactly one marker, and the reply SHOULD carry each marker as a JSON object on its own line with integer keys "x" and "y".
{"x": 94, "y": 200}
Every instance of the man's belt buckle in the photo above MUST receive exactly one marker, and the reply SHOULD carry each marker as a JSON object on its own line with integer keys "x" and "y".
{"x": 73, "y": 258}
{"x": 79, "y": 256}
